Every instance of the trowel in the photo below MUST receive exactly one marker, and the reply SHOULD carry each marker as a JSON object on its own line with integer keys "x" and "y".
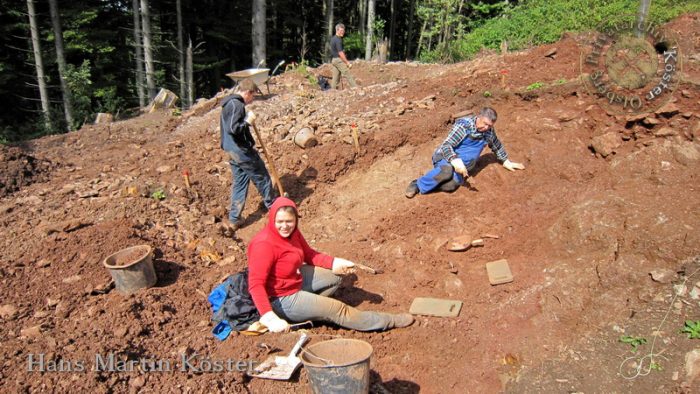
{"x": 462, "y": 243}
{"x": 281, "y": 367}
{"x": 368, "y": 269}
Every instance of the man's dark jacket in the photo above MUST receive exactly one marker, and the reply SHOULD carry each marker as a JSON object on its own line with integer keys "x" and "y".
{"x": 235, "y": 133}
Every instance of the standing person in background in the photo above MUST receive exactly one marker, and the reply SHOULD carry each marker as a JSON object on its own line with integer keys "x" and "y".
{"x": 340, "y": 64}
{"x": 246, "y": 164}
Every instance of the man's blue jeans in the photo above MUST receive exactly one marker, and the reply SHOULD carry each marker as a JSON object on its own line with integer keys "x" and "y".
{"x": 312, "y": 302}
{"x": 246, "y": 169}
{"x": 428, "y": 182}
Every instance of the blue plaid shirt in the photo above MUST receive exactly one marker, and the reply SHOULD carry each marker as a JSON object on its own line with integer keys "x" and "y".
{"x": 464, "y": 132}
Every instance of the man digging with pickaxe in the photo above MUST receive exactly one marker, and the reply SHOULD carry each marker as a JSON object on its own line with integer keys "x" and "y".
{"x": 246, "y": 164}
{"x": 457, "y": 155}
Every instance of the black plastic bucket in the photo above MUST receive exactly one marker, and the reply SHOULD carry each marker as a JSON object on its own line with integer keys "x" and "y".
{"x": 338, "y": 366}
{"x": 132, "y": 268}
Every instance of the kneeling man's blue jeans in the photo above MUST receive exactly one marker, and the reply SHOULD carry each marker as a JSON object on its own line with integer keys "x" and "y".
{"x": 429, "y": 181}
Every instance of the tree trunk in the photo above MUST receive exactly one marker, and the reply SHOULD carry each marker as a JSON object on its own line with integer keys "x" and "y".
{"x": 304, "y": 42}
{"x": 450, "y": 28}
{"x": 330, "y": 31}
{"x": 370, "y": 29}
{"x": 395, "y": 4}
{"x": 148, "y": 50}
{"x": 61, "y": 61}
{"x": 363, "y": 16}
{"x": 420, "y": 37}
{"x": 190, "y": 78}
{"x": 459, "y": 15}
{"x": 181, "y": 64}
{"x": 409, "y": 36}
{"x": 642, "y": 14}
{"x": 259, "y": 49}
{"x": 139, "y": 54}
{"x": 442, "y": 35}
{"x": 39, "y": 63}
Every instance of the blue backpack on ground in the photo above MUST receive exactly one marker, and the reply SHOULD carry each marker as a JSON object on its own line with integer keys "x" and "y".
{"x": 323, "y": 83}
{"x": 232, "y": 306}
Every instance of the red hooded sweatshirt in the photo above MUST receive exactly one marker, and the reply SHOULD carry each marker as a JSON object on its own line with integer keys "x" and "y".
{"x": 274, "y": 261}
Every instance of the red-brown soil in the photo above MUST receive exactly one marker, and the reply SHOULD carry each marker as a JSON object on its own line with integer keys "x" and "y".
{"x": 19, "y": 169}
{"x": 581, "y": 234}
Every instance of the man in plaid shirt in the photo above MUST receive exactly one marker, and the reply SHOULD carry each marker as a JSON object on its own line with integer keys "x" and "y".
{"x": 457, "y": 155}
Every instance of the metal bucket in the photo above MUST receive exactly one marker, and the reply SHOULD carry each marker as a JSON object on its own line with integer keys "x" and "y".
{"x": 338, "y": 366}
{"x": 132, "y": 268}
{"x": 305, "y": 138}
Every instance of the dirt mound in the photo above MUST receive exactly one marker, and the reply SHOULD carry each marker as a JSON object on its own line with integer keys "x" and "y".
{"x": 19, "y": 169}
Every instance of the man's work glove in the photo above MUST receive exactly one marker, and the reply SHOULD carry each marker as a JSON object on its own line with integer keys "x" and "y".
{"x": 349, "y": 65}
{"x": 274, "y": 323}
{"x": 459, "y": 167}
{"x": 250, "y": 118}
{"x": 342, "y": 266}
{"x": 511, "y": 166}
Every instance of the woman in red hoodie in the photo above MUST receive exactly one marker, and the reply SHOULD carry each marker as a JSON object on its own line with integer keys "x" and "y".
{"x": 290, "y": 281}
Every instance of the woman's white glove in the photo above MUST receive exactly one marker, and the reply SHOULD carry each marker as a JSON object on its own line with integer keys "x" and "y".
{"x": 250, "y": 118}
{"x": 342, "y": 266}
{"x": 509, "y": 165}
{"x": 274, "y": 323}
{"x": 459, "y": 167}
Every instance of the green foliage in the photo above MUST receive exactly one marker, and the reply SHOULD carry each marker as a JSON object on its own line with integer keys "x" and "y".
{"x": 80, "y": 85}
{"x": 633, "y": 341}
{"x": 692, "y": 328}
{"x": 304, "y": 71}
{"x": 487, "y": 93}
{"x": 561, "y": 81}
{"x": 442, "y": 20}
{"x": 312, "y": 79}
{"x": 534, "y": 86}
{"x": 378, "y": 30}
{"x": 479, "y": 12}
{"x": 656, "y": 366}
{"x": 354, "y": 45}
{"x": 75, "y": 35}
{"x": 537, "y": 22}
{"x": 158, "y": 195}
{"x": 108, "y": 100}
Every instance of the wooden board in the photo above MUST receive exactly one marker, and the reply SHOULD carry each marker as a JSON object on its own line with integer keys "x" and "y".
{"x": 499, "y": 272}
{"x": 435, "y": 307}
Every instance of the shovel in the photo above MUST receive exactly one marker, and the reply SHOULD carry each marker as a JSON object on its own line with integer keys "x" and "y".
{"x": 460, "y": 244}
{"x": 258, "y": 328}
{"x": 280, "y": 367}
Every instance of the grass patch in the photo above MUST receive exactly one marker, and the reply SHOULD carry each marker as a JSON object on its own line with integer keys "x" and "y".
{"x": 534, "y": 86}
{"x": 633, "y": 341}
{"x": 537, "y": 22}
{"x": 692, "y": 328}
